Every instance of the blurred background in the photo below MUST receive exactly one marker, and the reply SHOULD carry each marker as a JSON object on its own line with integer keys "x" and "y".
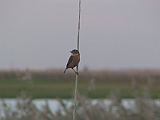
{"x": 119, "y": 47}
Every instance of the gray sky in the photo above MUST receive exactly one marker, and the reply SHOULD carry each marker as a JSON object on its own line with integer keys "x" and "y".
{"x": 115, "y": 34}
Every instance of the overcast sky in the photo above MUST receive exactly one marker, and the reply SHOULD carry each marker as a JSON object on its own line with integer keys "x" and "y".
{"x": 115, "y": 34}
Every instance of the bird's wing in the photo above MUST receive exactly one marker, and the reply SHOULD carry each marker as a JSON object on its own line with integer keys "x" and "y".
{"x": 69, "y": 61}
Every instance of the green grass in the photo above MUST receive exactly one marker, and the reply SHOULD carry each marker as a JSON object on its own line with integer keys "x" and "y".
{"x": 51, "y": 85}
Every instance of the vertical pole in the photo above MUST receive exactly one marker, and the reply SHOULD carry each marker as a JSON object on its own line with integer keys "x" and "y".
{"x": 79, "y": 18}
{"x": 76, "y": 81}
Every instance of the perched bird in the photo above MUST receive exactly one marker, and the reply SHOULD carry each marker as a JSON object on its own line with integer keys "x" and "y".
{"x": 73, "y": 60}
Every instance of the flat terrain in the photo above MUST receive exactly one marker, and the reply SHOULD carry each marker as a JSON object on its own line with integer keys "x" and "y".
{"x": 93, "y": 84}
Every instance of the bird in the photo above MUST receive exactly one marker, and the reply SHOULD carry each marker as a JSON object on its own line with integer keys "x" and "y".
{"x": 73, "y": 60}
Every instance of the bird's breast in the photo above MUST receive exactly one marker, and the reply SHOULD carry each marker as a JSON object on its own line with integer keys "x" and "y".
{"x": 74, "y": 62}
{"x": 76, "y": 59}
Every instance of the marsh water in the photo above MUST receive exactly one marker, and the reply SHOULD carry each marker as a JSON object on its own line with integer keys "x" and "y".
{"x": 54, "y": 104}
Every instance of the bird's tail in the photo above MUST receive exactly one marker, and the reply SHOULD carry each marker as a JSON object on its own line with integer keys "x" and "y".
{"x": 65, "y": 70}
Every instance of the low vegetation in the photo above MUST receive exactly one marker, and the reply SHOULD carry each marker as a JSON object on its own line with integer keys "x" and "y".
{"x": 143, "y": 88}
{"x": 144, "y": 109}
{"x": 59, "y": 85}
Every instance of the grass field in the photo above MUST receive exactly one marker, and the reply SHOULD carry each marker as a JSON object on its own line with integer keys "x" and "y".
{"x": 59, "y": 85}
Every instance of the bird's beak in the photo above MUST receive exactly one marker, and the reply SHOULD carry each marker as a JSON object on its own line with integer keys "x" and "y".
{"x": 70, "y": 51}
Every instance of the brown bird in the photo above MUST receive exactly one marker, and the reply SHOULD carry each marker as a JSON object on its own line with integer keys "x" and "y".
{"x": 73, "y": 60}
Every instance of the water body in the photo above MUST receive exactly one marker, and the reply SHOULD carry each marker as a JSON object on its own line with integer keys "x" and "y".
{"x": 54, "y": 104}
